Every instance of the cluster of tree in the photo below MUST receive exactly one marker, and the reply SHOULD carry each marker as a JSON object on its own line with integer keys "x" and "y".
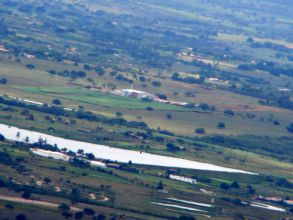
{"x": 206, "y": 107}
{"x": 189, "y": 79}
{"x": 122, "y": 78}
{"x": 55, "y": 110}
{"x": 277, "y": 147}
{"x": 269, "y": 67}
{"x": 6, "y": 159}
{"x": 227, "y": 186}
{"x": 269, "y": 45}
{"x": 44, "y": 108}
{"x": 79, "y": 162}
{"x": 74, "y": 74}
{"x": 86, "y": 212}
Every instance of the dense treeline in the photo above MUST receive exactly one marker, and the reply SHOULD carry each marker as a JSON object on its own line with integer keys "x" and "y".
{"x": 278, "y": 147}
{"x": 80, "y": 114}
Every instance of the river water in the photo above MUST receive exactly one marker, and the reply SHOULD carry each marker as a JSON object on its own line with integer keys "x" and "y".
{"x": 111, "y": 153}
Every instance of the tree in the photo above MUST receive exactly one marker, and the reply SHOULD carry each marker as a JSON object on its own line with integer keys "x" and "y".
{"x": 169, "y": 116}
{"x": 160, "y": 186}
{"x": 200, "y": 131}
{"x": 249, "y": 40}
{"x": 204, "y": 106}
{"x": 56, "y": 102}
{"x": 161, "y": 96}
{"x": 89, "y": 211}
{"x": 229, "y": 112}
{"x": 78, "y": 215}
{"x": 47, "y": 180}
{"x": 290, "y": 128}
{"x": 9, "y": 206}
{"x": 100, "y": 70}
{"x": 101, "y": 217}
{"x": 225, "y": 186}
{"x": 63, "y": 207}
{"x": 87, "y": 67}
{"x": 149, "y": 108}
{"x": 30, "y": 66}
{"x": 221, "y": 125}
{"x": 3, "y": 81}
{"x": 156, "y": 83}
{"x": 251, "y": 190}
{"x": 2, "y": 138}
{"x": 21, "y": 217}
{"x": 26, "y": 195}
{"x": 119, "y": 114}
{"x": 142, "y": 79}
{"x": 235, "y": 185}
{"x": 172, "y": 147}
{"x": 185, "y": 217}
{"x": 80, "y": 151}
{"x": 90, "y": 156}
{"x": 67, "y": 214}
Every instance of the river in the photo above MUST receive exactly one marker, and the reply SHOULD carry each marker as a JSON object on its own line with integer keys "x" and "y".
{"x": 111, "y": 153}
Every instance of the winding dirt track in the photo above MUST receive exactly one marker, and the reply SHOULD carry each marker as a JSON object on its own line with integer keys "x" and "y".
{"x": 34, "y": 202}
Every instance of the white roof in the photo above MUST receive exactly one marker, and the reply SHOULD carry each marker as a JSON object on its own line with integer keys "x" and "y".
{"x": 133, "y": 91}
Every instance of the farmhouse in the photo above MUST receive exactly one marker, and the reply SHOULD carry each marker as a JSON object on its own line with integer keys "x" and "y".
{"x": 2, "y": 48}
{"x": 136, "y": 93}
{"x": 217, "y": 82}
{"x": 288, "y": 202}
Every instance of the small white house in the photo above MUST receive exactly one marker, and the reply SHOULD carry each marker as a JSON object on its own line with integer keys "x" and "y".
{"x": 136, "y": 93}
{"x": 182, "y": 179}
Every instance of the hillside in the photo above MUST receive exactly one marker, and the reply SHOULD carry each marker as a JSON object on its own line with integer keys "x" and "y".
{"x": 205, "y": 81}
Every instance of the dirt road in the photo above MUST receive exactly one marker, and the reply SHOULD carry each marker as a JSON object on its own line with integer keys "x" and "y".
{"x": 34, "y": 202}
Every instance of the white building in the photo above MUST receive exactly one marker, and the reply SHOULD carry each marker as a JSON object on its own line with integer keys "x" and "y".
{"x": 136, "y": 93}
